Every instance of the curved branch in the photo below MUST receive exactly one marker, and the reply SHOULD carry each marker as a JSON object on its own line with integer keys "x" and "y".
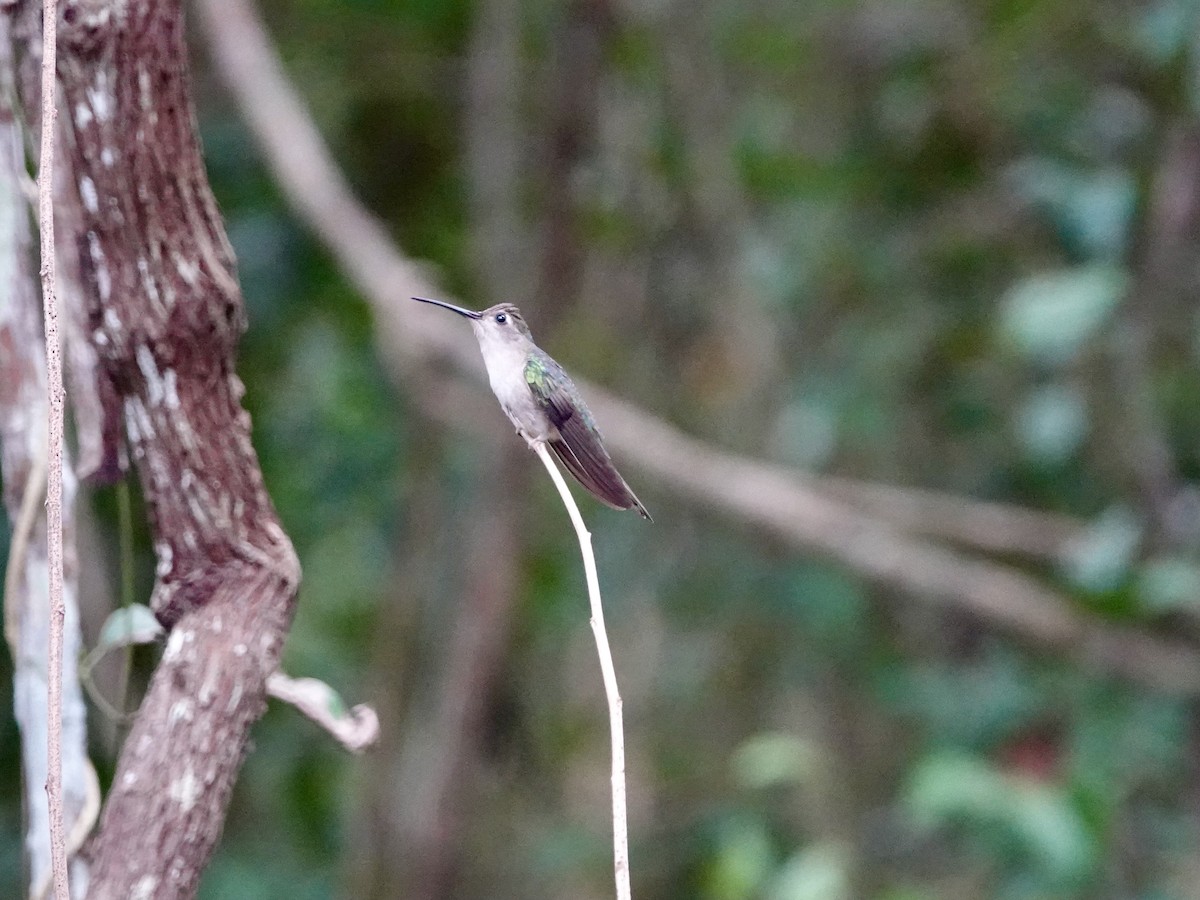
{"x": 356, "y": 729}
{"x": 1000, "y": 528}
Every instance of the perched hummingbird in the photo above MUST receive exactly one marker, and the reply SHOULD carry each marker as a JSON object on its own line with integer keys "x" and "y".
{"x": 543, "y": 403}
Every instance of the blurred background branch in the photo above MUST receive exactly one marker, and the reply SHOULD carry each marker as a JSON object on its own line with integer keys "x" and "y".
{"x": 860, "y": 304}
{"x": 790, "y": 504}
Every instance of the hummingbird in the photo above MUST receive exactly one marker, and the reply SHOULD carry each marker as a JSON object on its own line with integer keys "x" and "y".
{"x": 543, "y": 403}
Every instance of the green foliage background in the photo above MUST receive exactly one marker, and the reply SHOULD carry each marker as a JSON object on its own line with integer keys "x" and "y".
{"x": 920, "y": 243}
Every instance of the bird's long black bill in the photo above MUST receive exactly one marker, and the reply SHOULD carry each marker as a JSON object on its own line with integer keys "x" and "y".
{"x": 469, "y": 313}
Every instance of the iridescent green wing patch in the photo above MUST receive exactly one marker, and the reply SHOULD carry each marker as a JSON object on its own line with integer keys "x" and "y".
{"x": 555, "y": 392}
{"x": 578, "y": 444}
{"x": 535, "y": 377}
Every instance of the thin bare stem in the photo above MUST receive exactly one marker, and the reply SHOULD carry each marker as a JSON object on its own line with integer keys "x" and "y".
{"x": 54, "y": 481}
{"x": 620, "y": 820}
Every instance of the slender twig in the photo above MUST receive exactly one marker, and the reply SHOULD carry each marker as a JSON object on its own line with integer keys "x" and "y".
{"x": 54, "y": 481}
{"x": 620, "y": 824}
{"x": 81, "y": 829}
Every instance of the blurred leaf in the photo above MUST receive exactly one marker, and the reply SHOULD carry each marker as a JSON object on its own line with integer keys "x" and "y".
{"x": 774, "y": 758}
{"x": 1053, "y": 830}
{"x": 950, "y": 786}
{"x": 770, "y": 45}
{"x": 1169, "y": 583}
{"x": 1126, "y": 741}
{"x": 955, "y": 789}
{"x": 132, "y": 624}
{"x": 1101, "y": 209}
{"x": 977, "y": 704}
{"x": 1101, "y": 559}
{"x": 1050, "y": 316}
{"x": 831, "y": 606}
{"x": 742, "y": 861}
{"x": 1092, "y": 208}
{"x": 1052, "y": 423}
{"x": 124, "y": 627}
{"x": 1164, "y": 28}
{"x": 819, "y": 872}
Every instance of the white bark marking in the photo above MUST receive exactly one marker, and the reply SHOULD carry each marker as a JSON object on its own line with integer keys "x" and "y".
{"x": 175, "y": 643}
{"x": 144, "y": 888}
{"x": 100, "y": 97}
{"x": 100, "y": 267}
{"x": 87, "y": 193}
{"x": 137, "y": 419}
{"x": 208, "y": 688}
{"x": 180, "y": 711}
{"x": 170, "y": 390}
{"x": 189, "y": 270}
{"x": 166, "y": 558}
{"x": 149, "y": 368}
{"x": 149, "y": 285}
{"x": 146, "y": 94}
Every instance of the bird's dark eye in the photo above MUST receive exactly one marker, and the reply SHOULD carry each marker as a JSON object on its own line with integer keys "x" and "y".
{"x": 501, "y": 318}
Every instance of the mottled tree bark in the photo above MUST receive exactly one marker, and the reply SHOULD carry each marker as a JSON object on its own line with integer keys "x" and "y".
{"x": 164, "y": 314}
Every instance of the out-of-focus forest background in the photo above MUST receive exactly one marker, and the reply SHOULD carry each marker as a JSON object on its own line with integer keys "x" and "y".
{"x": 934, "y": 245}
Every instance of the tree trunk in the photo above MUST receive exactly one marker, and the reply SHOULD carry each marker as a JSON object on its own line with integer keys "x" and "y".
{"x": 164, "y": 314}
